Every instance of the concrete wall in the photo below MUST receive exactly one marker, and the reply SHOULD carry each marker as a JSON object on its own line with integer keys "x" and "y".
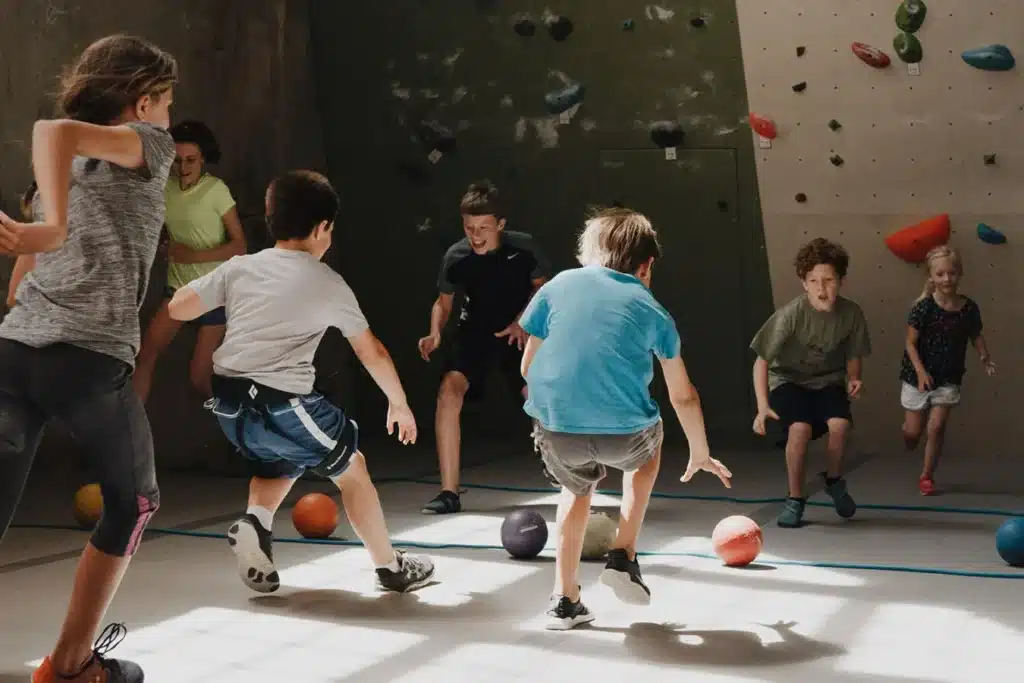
{"x": 244, "y": 70}
{"x": 384, "y": 68}
{"x": 913, "y": 146}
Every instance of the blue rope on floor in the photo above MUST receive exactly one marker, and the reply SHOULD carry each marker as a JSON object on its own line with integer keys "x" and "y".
{"x": 992, "y": 512}
{"x": 651, "y": 553}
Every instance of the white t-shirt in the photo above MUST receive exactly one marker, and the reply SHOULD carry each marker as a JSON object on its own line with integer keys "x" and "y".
{"x": 279, "y": 304}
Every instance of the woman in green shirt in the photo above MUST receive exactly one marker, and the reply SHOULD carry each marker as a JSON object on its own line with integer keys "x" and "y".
{"x": 204, "y": 230}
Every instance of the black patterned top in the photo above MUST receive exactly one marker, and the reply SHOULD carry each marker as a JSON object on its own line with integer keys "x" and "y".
{"x": 942, "y": 340}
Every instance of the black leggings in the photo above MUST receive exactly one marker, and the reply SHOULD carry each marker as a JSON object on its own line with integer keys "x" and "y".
{"x": 90, "y": 394}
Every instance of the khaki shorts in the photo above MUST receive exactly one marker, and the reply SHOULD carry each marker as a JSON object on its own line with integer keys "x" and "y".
{"x": 579, "y": 461}
{"x": 915, "y": 400}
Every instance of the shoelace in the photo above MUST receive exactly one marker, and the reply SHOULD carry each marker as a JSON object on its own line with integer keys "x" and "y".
{"x": 109, "y": 638}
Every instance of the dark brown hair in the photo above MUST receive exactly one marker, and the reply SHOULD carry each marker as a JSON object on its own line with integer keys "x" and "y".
{"x": 482, "y": 199}
{"x": 111, "y": 74}
{"x": 618, "y": 238}
{"x": 300, "y": 201}
{"x": 821, "y": 252}
{"x": 200, "y": 135}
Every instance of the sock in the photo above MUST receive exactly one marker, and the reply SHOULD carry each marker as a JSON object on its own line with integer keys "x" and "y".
{"x": 829, "y": 481}
{"x": 802, "y": 499}
{"x": 263, "y": 515}
{"x": 393, "y": 566}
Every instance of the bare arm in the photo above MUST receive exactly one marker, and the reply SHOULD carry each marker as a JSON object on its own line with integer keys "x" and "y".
{"x": 761, "y": 385}
{"x": 686, "y": 403}
{"x": 440, "y": 312}
{"x": 235, "y": 246}
{"x": 375, "y": 358}
{"x": 54, "y": 145}
{"x": 911, "y": 347}
{"x": 853, "y": 369}
{"x": 186, "y": 305}
{"x": 532, "y": 344}
{"x": 981, "y": 346}
{"x": 22, "y": 267}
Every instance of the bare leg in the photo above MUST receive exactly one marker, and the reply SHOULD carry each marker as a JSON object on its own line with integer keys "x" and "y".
{"x": 838, "y": 428}
{"x": 362, "y": 506}
{"x": 160, "y": 333}
{"x": 796, "y": 454}
{"x": 269, "y": 493}
{"x": 937, "y": 420}
{"x": 200, "y": 368}
{"x": 573, "y": 512}
{"x": 913, "y": 427}
{"x": 450, "y": 398}
{"x": 636, "y": 494}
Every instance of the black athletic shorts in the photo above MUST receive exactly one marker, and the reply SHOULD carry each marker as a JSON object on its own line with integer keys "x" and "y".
{"x": 474, "y": 353}
{"x": 794, "y": 403}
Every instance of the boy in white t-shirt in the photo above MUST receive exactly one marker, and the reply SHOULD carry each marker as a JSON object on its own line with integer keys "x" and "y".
{"x": 279, "y": 304}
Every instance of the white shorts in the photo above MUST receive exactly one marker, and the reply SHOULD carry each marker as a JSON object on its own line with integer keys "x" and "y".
{"x": 916, "y": 400}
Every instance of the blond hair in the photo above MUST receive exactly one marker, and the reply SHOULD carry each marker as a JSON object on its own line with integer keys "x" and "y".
{"x": 937, "y": 254}
{"x": 619, "y": 239}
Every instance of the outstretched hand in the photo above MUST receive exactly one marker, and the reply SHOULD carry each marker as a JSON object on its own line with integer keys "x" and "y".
{"x": 516, "y": 335}
{"x": 402, "y": 418}
{"x": 707, "y": 464}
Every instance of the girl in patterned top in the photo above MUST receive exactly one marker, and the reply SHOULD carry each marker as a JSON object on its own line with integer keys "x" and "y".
{"x": 940, "y": 325}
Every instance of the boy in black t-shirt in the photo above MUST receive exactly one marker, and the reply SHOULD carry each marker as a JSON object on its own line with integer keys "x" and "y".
{"x": 497, "y": 271}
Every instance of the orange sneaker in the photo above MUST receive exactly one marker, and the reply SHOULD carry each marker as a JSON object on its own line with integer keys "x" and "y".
{"x": 926, "y": 485}
{"x": 99, "y": 669}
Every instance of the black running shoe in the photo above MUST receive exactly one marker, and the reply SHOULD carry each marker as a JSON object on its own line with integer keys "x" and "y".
{"x": 622, "y": 575}
{"x": 446, "y": 503}
{"x": 414, "y": 571}
{"x": 252, "y": 545}
{"x": 99, "y": 667}
{"x": 563, "y": 614}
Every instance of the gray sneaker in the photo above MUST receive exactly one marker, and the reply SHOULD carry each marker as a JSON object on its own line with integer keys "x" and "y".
{"x": 792, "y": 515}
{"x": 845, "y": 505}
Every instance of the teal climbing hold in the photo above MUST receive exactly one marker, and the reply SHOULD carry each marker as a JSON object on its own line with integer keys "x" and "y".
{"x": 989, "y": 235}
{"x": 910, "y": 15}
{"x": 908, "y": 48}
{"x": 990, "y": 58}
{"x": 559, "y": 101}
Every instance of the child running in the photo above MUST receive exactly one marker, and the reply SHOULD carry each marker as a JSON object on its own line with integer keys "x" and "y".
{"x": 497, "y": 271}
{"x": 588, "y": 365}
{"x": 808, "y": 367}
{"x": 279, "y": 303}
{"x": 940, "y": 325}
{"x": 67, "y": 348}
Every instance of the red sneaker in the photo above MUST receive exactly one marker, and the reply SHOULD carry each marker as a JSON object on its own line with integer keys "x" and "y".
{"x": 926, "y": 485}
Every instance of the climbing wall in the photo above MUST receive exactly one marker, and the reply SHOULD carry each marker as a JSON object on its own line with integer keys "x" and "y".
{"x": 860, "y": 152}
{"x": 564, "y": 106}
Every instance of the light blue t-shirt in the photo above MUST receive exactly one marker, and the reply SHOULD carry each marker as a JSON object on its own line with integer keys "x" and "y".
{"x": 592, "y": 375}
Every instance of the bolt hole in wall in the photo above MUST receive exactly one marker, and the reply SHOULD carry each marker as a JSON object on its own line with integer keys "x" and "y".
{"x": 924, "y": 108}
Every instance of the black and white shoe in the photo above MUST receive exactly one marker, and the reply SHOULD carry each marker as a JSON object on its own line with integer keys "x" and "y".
{"x": 253, "y": 548}
{"x": 563, "y": 614}
{"x": 414, "y": 571}
{"x": 622, "y": 575}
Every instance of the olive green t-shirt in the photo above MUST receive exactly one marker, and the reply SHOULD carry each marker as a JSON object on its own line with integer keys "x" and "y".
{"x": 810, "y": 348}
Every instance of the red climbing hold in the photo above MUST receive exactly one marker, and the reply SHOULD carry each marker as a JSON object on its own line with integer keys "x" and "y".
{"x": 871, "y": 56}
{"x": 763, "y": 126}
{"x": 913, "y": 242}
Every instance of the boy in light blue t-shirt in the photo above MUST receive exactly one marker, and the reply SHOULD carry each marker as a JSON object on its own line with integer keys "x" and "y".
{"x": 588, "y": 366}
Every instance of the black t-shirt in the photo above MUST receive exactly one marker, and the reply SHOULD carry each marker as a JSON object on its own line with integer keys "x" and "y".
{"x": 497, "y": 285}
{"x": 942, "y": 340}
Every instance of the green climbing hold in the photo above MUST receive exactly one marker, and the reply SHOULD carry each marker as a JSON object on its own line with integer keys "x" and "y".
{"x": 910, "y": 15}
{"x": 908, "y": 48}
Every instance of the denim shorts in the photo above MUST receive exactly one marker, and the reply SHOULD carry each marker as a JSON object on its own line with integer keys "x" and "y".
{"x": 214, "y": 317}
{"x": 287, "y": 439}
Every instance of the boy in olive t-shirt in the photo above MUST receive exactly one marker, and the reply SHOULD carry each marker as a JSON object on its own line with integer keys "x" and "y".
{"x": 808, "y": 368}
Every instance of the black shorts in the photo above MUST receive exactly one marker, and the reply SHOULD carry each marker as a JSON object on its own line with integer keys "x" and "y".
{"x": 217, "y": 316}
{"x": 473, "y": 353}
{"x": 796, "y": 404}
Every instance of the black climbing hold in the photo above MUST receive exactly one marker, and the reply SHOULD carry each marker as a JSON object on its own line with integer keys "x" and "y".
{"x": 412, "y": 172}
{"x": 559, "y": 28}
{"x": 834, "y": 125}
{"x": 836, "y": 160}
{"x": 800, "y": 87}
{"x": 801, "y": 198}
{"x": 558, "y": 101}
{"x": 800, "y": 50}
{"x": 723, "y": 205}
{"x": 666, "y": 134}
{"x": 525, "y": 27}
{"x": 628, "y": 25}
{"x": 990, "y": 159}
{"x": 698, "y": 22}
{"x": 436, "y": 137}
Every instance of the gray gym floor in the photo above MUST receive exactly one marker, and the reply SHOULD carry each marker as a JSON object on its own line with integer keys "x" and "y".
{"x": 826, "y": 603}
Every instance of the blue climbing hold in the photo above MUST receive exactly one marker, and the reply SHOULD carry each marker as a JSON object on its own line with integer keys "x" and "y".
{"x": 990, "y": 58}
{"x": 989, "y": 235}
{"x": 558, "y": 101}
